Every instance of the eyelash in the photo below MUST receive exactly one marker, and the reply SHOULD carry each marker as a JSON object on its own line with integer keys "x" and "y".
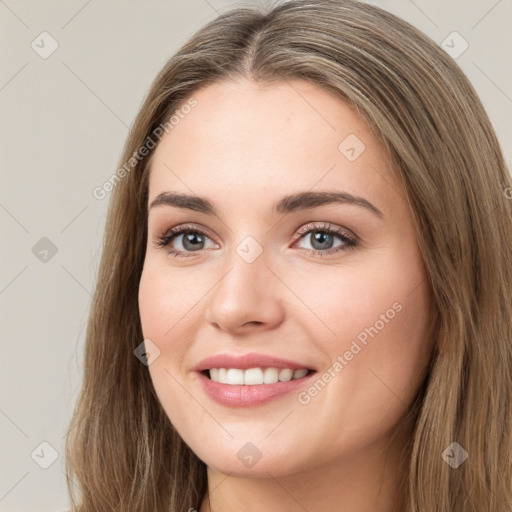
{"x": 164, "y": 239}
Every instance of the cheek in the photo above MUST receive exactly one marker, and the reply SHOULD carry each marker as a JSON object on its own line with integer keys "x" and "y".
{"x": 377, "y": 319}
{"x": 152, "y": 297}
{"x": 167, "y": 302}
{"x": 164, "y": 308}
{"x": 376, "y": 316}
{"x": 385, "y": 289}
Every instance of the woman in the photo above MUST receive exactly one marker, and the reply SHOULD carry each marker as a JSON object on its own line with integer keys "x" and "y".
{"x": 304, "y": 297}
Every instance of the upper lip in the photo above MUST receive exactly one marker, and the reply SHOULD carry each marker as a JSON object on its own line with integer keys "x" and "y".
{"x": 245, "y": 361}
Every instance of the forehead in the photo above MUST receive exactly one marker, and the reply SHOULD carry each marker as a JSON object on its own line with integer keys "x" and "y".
{"x": 245, "y": 137}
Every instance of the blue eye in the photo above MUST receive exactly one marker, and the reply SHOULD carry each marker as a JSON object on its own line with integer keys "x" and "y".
{"x": 193, "y": 240}
{"x": 325, "y": 235}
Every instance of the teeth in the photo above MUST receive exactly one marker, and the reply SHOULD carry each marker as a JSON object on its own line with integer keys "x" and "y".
{"x": 285, "y": 375}
{"x": 235, "y": 376}
{"x": 297, "y": 374}
{"x": 252, "y": 376}
{"x": 255, "y": 376}
{"x": 270, "y": 376}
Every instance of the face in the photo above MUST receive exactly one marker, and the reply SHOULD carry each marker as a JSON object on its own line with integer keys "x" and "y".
{"x": 330, "y": 282}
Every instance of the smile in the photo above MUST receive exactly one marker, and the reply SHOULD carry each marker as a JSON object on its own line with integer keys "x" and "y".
{"x": 254, "y": 376}
{"x": 247, "y": 388}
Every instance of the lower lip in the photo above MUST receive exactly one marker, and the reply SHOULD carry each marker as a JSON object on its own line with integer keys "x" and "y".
{"x": 249, "y": 396}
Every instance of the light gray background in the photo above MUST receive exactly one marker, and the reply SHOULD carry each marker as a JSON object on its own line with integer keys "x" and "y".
{"x": 64, "y": 122}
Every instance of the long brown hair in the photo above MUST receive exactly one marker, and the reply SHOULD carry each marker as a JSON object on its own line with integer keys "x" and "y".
{"x": 122, "y": 452}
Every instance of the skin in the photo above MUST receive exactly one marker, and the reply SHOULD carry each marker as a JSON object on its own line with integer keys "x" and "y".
{"x": 244, "y": 146}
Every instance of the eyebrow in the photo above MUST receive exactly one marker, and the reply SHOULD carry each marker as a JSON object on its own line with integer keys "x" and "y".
{"x": 287, "y": 204}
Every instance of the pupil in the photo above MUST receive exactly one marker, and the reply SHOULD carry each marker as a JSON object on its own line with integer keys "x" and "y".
{"x": 189, "y": 239}
{"x": 320, "y": 237}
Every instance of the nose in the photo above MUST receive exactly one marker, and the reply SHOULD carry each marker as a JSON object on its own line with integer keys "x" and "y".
{"x": 247, "y": 296}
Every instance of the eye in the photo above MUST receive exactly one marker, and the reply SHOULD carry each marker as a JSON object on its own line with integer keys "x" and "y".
{"x": 321, "y": 238}
{"x": 192, "y": 240}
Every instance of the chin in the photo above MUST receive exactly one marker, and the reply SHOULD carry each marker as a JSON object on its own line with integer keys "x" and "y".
{"x": 245, "y": 459}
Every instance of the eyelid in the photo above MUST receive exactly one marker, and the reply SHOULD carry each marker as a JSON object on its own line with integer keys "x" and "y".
{"x": 350, "y": 240}
{"x": 327, "y": 226}
{"x": 180, "y": 229}
{"x": 299, "y": 233}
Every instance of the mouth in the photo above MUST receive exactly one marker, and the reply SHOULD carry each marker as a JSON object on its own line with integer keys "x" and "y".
{"x": 251, "y": 379}
{"x": 253, "y": 387}
{"x": 255, "y": 376}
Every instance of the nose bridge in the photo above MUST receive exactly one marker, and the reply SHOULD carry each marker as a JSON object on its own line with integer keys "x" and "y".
{"x": 246, "y": 265}
{"x": 249, "y": 250}
{"x": 244, "y": 292}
